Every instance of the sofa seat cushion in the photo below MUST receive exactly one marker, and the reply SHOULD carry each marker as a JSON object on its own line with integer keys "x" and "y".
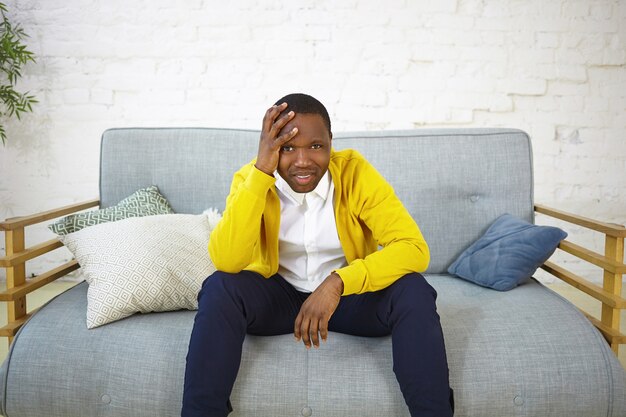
{"x": 507, "y": 353}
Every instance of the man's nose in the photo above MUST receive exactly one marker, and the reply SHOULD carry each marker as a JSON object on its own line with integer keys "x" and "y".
{"x": 302, "y": 158}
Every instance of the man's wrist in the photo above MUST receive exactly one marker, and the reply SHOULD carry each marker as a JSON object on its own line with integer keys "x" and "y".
{"x": 336, "y": 281}
{"x": 265, "y": 171}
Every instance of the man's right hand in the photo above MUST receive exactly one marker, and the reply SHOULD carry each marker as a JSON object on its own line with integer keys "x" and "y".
{"x": 270, "y": 142}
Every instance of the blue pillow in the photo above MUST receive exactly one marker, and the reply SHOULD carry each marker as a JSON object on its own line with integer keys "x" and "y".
{"x": 507, "y": 254}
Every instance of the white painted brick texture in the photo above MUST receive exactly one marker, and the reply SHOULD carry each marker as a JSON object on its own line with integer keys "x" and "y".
{"x": 556, "y": 69}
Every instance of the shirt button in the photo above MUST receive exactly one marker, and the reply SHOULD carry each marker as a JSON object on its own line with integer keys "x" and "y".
{"x": 307, "y": 412}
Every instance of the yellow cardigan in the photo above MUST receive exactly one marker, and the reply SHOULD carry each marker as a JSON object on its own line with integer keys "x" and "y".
{"x": 367, "y": 212}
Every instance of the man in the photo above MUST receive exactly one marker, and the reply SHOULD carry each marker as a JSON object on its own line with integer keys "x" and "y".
{"x": 297, "y": 250}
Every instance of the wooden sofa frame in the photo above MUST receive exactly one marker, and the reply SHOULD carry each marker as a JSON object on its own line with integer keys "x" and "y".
{"x": 609, "y": 294}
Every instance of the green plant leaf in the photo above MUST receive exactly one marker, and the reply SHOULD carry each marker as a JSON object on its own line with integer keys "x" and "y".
{"x": 13, "y": 55}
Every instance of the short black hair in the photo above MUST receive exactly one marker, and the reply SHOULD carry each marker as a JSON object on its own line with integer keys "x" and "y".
{"x": 306, "y": 104}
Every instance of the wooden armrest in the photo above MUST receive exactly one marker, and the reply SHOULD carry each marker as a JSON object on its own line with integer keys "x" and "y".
{"x": 595, "y": 291}
{"x": 615, "y": 230}
{"x": 612, "y": 264}
{"x": 590, "y": 256}
{"x": 611, "y": 335}
{"x": 20, "y": 222}
{"x": 15, "y": 293}
{"x": 29, "y": 253}
{"x": 12, "y": 327}
{"x": 15, "y": 263}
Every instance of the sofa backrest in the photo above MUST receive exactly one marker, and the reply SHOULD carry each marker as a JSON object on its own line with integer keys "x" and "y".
{"x": 454, "y": 182}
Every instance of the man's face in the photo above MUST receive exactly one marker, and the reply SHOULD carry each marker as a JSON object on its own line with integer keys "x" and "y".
{"x": 304, "y": 159}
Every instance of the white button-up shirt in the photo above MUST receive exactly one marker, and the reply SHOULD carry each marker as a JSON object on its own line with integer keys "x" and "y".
{"x": 309, "y": 247}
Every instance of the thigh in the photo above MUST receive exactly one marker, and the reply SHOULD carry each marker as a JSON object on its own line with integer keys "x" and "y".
{"x": 375, "y": 313}
{"x": 361, "y": 315}
{"x": 269, "y": 305}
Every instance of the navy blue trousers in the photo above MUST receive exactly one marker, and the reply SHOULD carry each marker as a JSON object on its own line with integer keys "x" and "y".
{"x": 231, "y": 305}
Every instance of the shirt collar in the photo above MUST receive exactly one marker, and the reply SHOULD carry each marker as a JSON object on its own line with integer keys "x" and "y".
{"x": 322, "y": 189}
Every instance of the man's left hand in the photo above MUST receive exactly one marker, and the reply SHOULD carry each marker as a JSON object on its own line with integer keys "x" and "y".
{"x": 316, "y": 311}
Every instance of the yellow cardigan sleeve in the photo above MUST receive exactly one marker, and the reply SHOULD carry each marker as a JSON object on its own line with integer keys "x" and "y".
{"x": 233, "y": 241}
{"x": 374, "y": 203}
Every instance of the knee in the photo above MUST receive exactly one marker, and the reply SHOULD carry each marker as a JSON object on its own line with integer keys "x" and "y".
{"x": 216, "y": 279}
{"x": 220, "y": 286}
{"x": 415, "y": 290}
{"x": 215, "y": 286}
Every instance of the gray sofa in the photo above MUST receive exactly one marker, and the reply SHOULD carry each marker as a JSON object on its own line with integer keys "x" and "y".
{"x": 525, "y": 352}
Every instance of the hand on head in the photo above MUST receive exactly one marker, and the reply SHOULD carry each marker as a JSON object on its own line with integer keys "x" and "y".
{"x": 271, "y": 140}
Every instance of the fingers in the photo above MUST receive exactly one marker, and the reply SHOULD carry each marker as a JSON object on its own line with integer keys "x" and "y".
{"x": 318, "y": 330}
{"x": 310, "y": 331}
{"x": 285, "y": 137}
{"x": 272, "y": 140}
{"x": 296, "y": 327}
{"x": 312, "y": 321}
{"x": 302, "y": 330}
{"x": 271, "y": 114}
{"x": 315, "y": 340}
{"x": 324, "y": 330}
{"x": 305, "y": 331}
{"x": 273, "y": 124}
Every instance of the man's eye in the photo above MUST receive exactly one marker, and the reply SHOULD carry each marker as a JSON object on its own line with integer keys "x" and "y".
{"x": 316, "y": 146}
{"x": 286, "y": 148}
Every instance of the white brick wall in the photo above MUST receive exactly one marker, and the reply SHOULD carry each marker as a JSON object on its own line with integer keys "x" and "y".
{"x": 556, "y": 69}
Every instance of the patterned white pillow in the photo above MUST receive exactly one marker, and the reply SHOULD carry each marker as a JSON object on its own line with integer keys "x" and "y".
{"x": 143, "y": 264}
